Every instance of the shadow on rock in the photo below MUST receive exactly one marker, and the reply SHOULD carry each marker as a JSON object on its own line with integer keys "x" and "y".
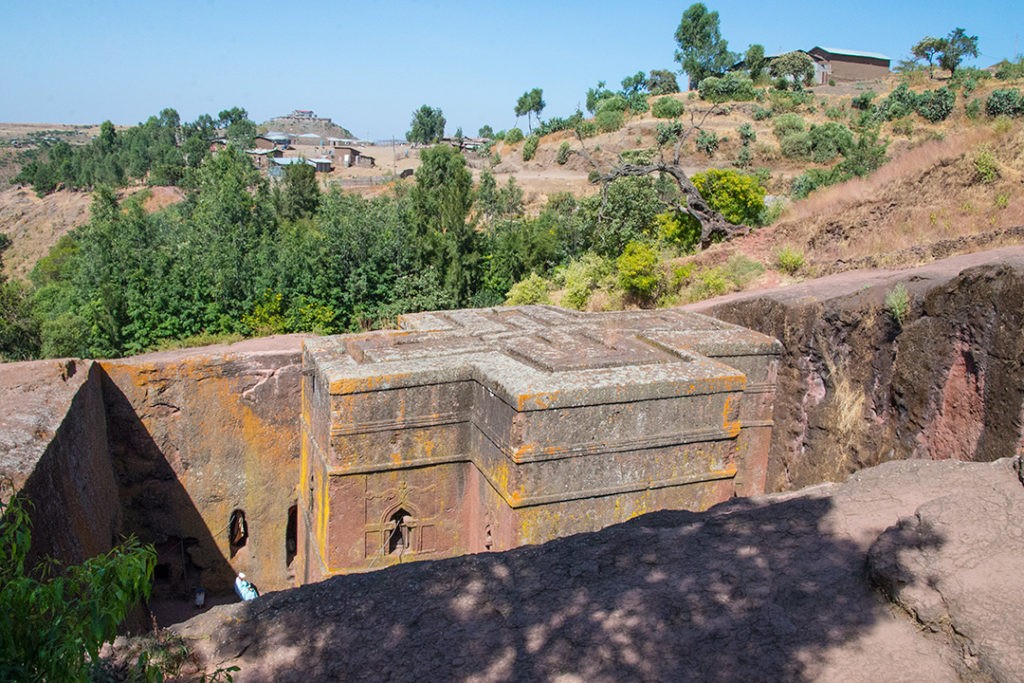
{"x": 748, "y": 591}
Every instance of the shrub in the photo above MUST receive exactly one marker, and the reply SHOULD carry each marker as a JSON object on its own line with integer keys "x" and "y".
{"x": 900, "y": 102}
{"x": 530, "y": 147}
{"x": 531, "y": 290}
{"x": 973, "y": 109}
{"x": 667, "y": 108}
{"x": 747, "y": 133}
{"x": 564, "y": 150}
{"x": 935, "y": 105}
{"x": 514, "y": 135}
{"x": 740, "y": 271}
{"x": 814, "y": 178}
{"x": 586, "y": 129}
{"x": 732, "y": 86}
{"x": 835, "y": 113}
{"x": 737, "y": 196}
{"x": 1006, "y": 102}
{"x": 903, "y": 126}
{"x": 678, "y": 229}
{"x": 609, "y": 120}
{"x": 829, "y": 140}
{"x": 580, "y": 277}
{"x": 788, "y": 101}
{"x": 789, "y": 260}
{"x": 785, "y": 124}
{"x": 667, "y": 133}
{"x": 986, "y": 168}
{"x": 744, "y": 157}
{"x": 707, "y": 142}
{"x": 863, "y": 100}
{"x": 708, "y": 283}
{"x": 897, "y": 302}
{"x": 760, "y": 113}
{"x": 56, "y": 619}
{"x": 638, "y": 269}
{"x": 1010, "y": 71}
{"x": 796, "y": 146}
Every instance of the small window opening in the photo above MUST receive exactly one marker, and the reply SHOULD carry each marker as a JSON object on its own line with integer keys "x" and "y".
{"x": 162, "y": 571}
{"x": 291, "y": 533}
{"x": 238, "y": 530}
{"x": 399, "y": 533}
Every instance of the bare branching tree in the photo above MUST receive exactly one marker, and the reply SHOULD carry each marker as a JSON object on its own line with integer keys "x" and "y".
{"x": 713, "y": 225}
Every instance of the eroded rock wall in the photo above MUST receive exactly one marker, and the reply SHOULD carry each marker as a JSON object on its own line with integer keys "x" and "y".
{"x": 197, "y": 434}
{"x": 53, "y": 447}
{"x": 857, "y": 388}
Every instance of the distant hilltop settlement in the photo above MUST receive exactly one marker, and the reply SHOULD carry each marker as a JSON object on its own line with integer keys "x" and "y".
{"x": 304, "y": 137}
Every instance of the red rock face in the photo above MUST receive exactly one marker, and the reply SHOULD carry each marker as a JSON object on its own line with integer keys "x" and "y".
{"x": 197, "y": 436}
{"x": 856, "y": 389}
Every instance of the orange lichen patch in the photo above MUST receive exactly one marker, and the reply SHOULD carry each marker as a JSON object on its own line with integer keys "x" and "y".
{"x": 356, "y": 385}
{"x": 541, "y": 400}
{"x": 730, "y": 420}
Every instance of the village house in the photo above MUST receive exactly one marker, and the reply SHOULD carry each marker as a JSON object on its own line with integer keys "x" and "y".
{"x": 847, "y": 65}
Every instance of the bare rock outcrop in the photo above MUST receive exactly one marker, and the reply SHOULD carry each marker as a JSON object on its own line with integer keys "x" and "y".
{"x": 857, "y": 387}
{"x": 767, "y": 588}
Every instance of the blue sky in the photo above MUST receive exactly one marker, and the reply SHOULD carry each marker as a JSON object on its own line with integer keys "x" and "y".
{"x": 369, "y": 64}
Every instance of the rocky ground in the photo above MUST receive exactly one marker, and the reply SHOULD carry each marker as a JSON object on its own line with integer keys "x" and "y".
{"x": 907, "y": 572}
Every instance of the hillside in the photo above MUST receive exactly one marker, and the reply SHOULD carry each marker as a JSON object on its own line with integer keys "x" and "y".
{"x": 948, "y": 187}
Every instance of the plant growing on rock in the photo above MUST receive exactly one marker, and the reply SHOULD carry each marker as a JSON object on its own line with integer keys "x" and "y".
{"x": 56, "y": 622}
{"x": 897, "y": 303}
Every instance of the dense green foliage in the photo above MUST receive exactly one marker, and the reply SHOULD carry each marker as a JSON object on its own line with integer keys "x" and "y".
{"x": 427, "y": 125}
{"x": 702, "y": 50}
{"x": 530, "y": 147}
{"x": 161, "y": 151}
{"x": 731, "y": 86}
{"x": 1005, "y": 102}
{"x": 53, "y": 620}
{"x": 662, "y": 82}
{"x": 1009, "y": 71}
{"x": 737, "y": 196}
{"x": 796, "y": 66}
{"x": 667, "y": 108}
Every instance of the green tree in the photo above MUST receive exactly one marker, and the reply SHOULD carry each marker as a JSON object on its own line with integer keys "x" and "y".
{"x": 958, "y": 45}
{"x": 427, "y": 126}
{"x": 441, "y": 200}
{"x": 53, "y": 621}
{"x": 238, "y": 128}
{"x": 301, "y": 194}
{"x": 702, "y": 50}
{"x": 486, "y": 131}
{"x": 662, "y": 82}
{"x": 795, "y": 65}
{"x": 755, "y": 60}
{"x": 19, "y": 331}
{"x": 529, "y": 103}
{"x": 928, "y": 48}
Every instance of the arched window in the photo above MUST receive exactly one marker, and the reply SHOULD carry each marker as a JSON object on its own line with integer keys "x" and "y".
{"x": 238, "y": 530}
{"x": 291, "y": 535}
{"x": 398, "y": 533}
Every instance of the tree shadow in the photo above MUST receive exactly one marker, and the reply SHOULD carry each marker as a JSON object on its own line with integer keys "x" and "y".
{"x": 748, "y": 591}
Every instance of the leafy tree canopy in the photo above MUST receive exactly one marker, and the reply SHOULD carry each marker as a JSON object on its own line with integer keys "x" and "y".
{"x": 958, "y": 45}
{"x": 795, "y": 65}
{"x": 702, "y": 50}
{"x": 427, "y": 126}
{"x": 662, "y": 82}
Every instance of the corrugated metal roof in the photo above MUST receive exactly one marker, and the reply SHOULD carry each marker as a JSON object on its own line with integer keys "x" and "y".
{"x": 288, "y": 161}
{"x": 854, "y": 53}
